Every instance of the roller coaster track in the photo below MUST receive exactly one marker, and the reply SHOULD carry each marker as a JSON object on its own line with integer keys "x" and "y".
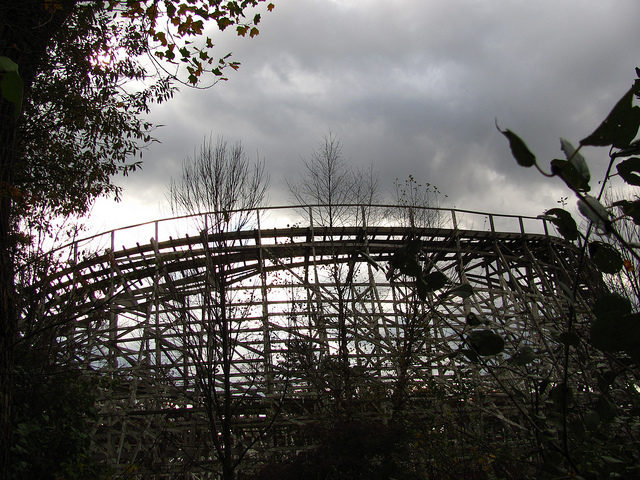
{"x": 300, "y": 302}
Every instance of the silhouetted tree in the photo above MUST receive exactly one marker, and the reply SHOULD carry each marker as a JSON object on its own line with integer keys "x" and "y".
{"x": 328, "y": 181}
{"x": 221, "y": 183}
{"x": 68, "y": 123}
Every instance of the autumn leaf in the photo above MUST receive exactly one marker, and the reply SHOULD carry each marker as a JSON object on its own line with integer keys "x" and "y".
{"x": 161, "y": 37}
{"x": 152, "y": 13}
{"x": 197, "y": 26}
{"x": 182, "y": 9}
{"x": 224, "y": 23}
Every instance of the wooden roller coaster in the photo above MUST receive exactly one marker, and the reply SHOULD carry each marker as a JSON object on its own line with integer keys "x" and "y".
{"x": 264, "y": 316}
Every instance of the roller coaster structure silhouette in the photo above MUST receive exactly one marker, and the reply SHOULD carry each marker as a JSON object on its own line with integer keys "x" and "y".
{"x": 300, "y": 296}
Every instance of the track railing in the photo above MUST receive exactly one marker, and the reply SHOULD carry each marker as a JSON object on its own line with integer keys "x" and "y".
{"x": 306, "y": 216}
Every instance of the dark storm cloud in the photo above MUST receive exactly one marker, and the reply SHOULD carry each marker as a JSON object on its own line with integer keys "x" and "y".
{"x": 413, "y": 87}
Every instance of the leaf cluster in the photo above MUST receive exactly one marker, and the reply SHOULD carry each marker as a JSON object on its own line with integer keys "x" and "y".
{"x": 608, "y": 349}
{"x": 54, "y": 412}
{"x": 410, "y": 260}
{"x": 80, "y": 125}
{"x": 11, "y": 86}
{"x": 85, "y": 100}
{"x": 177, "y": 31}
{"x": 571, "y": 381}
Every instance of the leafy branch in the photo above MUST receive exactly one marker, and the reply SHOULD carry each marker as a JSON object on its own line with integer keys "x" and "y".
{"x": 614, "y": 329}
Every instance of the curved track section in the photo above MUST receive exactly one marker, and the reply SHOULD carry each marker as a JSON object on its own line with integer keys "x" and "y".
{"x": 312, "y": 315}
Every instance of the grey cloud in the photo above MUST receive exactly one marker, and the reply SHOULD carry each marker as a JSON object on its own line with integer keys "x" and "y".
{"x": 413, "y": 87}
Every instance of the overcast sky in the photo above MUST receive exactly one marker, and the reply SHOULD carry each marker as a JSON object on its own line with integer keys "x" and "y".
{"x": 411, "y": 86}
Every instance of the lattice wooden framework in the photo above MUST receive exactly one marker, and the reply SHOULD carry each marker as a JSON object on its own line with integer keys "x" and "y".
{"x": 301, "y": 299}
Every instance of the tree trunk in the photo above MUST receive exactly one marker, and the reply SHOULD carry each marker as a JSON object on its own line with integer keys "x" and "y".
{"x": 8, "y": 318}
{"x": 26, "y": 30}
{"x": 228, "y": 470}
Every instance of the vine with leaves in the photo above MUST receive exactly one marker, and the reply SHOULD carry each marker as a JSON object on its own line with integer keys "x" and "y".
{"x": 574, "y": 385}
{"x": 588, "y": 443}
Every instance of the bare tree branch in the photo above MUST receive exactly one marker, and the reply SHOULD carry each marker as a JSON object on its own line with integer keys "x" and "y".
{"x": 219, "y": 179}
{"x": 328, "y": 181}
